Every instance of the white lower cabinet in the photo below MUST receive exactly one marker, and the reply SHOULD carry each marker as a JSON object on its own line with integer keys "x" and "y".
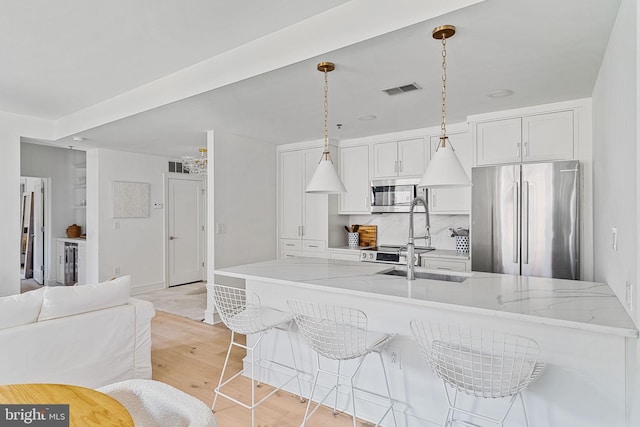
{"x": 71, "y": 260}
{"x": 60, "y": 261}
{"x": 344, "y": 254}
{"x": 438, "y": 263}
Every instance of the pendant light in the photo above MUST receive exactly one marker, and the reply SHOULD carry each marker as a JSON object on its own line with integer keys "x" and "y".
{"x": 325, "y": 179}
{"x": 444, "y": 170}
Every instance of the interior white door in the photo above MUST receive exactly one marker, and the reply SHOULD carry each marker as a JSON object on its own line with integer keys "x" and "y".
{"x": 186, "y": 230}
{"x": 38, "y": 232}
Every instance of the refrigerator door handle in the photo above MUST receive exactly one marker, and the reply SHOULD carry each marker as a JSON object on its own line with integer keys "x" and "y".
{"x": 516, "y": 209}
{"x": 525, "y": 222}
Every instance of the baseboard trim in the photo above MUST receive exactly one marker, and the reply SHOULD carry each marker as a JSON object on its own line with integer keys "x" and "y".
{"x": 141, "y": 289}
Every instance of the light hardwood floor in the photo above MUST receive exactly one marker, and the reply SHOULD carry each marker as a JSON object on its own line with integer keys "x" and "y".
{"x": 189, "y": 356}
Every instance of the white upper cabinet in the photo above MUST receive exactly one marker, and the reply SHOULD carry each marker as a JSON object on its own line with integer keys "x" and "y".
{"x": 393, "y": 159}
{"x": 453, "y": 200}
{"x": 547, "y": 137}
{"x": 354, "y": 171}
{"x": 533, "y": 138}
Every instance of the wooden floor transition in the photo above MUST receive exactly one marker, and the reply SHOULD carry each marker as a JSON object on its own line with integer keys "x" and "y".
{"x": 189, "y": 355}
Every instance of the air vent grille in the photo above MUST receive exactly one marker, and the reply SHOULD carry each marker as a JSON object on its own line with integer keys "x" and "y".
{"x": 176, "y": 167}
{"x": 402, "y": 89}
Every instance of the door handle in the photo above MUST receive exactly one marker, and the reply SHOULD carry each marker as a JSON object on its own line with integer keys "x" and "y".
{"x": 525, "y": 222}
{"x": 172, "y": 237}
{"x": 400, "y": 167}
{"x": 516, "y": 217}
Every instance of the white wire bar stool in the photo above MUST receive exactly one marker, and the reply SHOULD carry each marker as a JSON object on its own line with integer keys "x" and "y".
{"x": 480, "y": 363}
{"x": 242, "y": 313}
{"x": 340, "y": 333}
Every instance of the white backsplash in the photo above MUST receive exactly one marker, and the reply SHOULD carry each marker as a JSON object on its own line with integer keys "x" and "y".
{"x": 393, "y": 228}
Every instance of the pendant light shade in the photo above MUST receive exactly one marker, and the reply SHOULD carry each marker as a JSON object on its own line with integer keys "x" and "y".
{"x": 444, "y": 170}
{"x": 325, "y": 179}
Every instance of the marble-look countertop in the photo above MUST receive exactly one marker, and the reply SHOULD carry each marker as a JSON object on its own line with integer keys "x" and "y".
{"x": 574, "y": 304}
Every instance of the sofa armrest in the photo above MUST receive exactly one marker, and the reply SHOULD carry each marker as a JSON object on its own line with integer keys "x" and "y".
{"x": 144, "y": 312}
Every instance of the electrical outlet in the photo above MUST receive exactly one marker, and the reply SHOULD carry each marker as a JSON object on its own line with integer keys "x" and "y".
{"x": 629, "y": 295}
{"x": 394, "y": 357}
{"x": 221, "y": 228}
{"x": 116, "y": 271}
{"x": 614, "y": 238}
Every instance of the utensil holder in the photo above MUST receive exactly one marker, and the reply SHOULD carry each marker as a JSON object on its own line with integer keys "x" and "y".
{"x": 462, "y": 244}
{"x": 354, "y": 240}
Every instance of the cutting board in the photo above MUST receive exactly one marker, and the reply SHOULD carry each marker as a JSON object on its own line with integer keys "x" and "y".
{"x": 368, "y": 235}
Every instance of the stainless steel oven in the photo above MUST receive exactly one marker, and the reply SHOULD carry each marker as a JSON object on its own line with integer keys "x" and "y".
{"x": 395, "y": 195}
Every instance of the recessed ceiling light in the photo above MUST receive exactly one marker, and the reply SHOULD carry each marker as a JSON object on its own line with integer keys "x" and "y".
{"x": 367, "y": 118}
{"x": 500, "y": 93}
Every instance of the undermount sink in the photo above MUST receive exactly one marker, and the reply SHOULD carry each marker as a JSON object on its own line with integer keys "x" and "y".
{"x": 426, "y": 275}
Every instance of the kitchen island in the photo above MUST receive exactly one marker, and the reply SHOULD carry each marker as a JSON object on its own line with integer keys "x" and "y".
{"x": 584, "y": 333}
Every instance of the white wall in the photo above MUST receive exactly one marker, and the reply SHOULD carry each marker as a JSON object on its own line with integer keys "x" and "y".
{"x": 245, "y": 192}
{"x": 12, "y": 127}
{"x": 615, "y": 158}
{"x": 616, "y": 103}
{"x": 58, "y": 164}
{"x": 134, "y": 245}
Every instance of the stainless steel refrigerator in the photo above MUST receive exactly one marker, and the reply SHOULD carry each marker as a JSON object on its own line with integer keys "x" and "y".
{"x": 524, "y": 219}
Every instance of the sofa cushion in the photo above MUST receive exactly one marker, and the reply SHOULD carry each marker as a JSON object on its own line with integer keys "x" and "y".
{"x": 20, "y": 309}
{"x": 61, "y": 301}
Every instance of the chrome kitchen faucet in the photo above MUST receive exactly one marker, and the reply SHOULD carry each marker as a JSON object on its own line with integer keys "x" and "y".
{"x": 411, "y": 272}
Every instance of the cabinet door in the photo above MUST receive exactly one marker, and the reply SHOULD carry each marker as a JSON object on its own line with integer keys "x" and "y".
{"x": 499, "y": 142}
{"x": 82, "y": 263}
{"x": 547, "y": 137}
{"x": 291, "y": 193}
{"x": 385, "y": 160}
{"x": 412, "y": 157}
{"x": 453, "y": 200}
{"x": 354, "y": 171}
{"x": 315, "y": 206}
{"x": 440, "y": 264}
{"x": 60, "y": 263}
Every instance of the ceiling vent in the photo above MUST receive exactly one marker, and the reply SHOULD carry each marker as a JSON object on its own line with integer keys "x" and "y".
{"x": 402, "y": 89}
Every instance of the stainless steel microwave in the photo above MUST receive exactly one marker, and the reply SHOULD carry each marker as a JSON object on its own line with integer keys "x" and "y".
{"x": 395, "y": 195}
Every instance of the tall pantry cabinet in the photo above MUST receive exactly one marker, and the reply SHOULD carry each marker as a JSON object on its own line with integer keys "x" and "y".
{"x": 307, "y": 223}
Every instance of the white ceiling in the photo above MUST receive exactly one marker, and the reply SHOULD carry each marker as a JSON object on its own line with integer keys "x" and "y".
{"x": 79, "y": 53}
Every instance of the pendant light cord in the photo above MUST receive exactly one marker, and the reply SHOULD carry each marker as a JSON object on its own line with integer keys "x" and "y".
{"x": 443, "y": 125}
{"x": 325, "y": 153}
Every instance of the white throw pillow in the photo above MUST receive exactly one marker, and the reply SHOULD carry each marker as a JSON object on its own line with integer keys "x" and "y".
{"x": 61, "y": 301}
{"x": 20, "y": 309}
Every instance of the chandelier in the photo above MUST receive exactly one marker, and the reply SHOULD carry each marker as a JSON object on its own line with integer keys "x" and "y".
{"x": 196, "y": 165}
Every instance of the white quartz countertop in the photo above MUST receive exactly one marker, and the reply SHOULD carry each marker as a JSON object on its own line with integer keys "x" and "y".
{"x": 574, "y": 304}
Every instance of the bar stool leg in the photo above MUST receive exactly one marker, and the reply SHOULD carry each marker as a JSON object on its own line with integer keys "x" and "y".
{"x": 295, "y": 364}
{"x": 335, "y": 404}
{"x": 386, "y": 381}
{"x": 224, "y": 368}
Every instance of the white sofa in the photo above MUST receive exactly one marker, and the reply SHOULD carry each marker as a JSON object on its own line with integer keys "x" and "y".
{"x": 88, "y": 335}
